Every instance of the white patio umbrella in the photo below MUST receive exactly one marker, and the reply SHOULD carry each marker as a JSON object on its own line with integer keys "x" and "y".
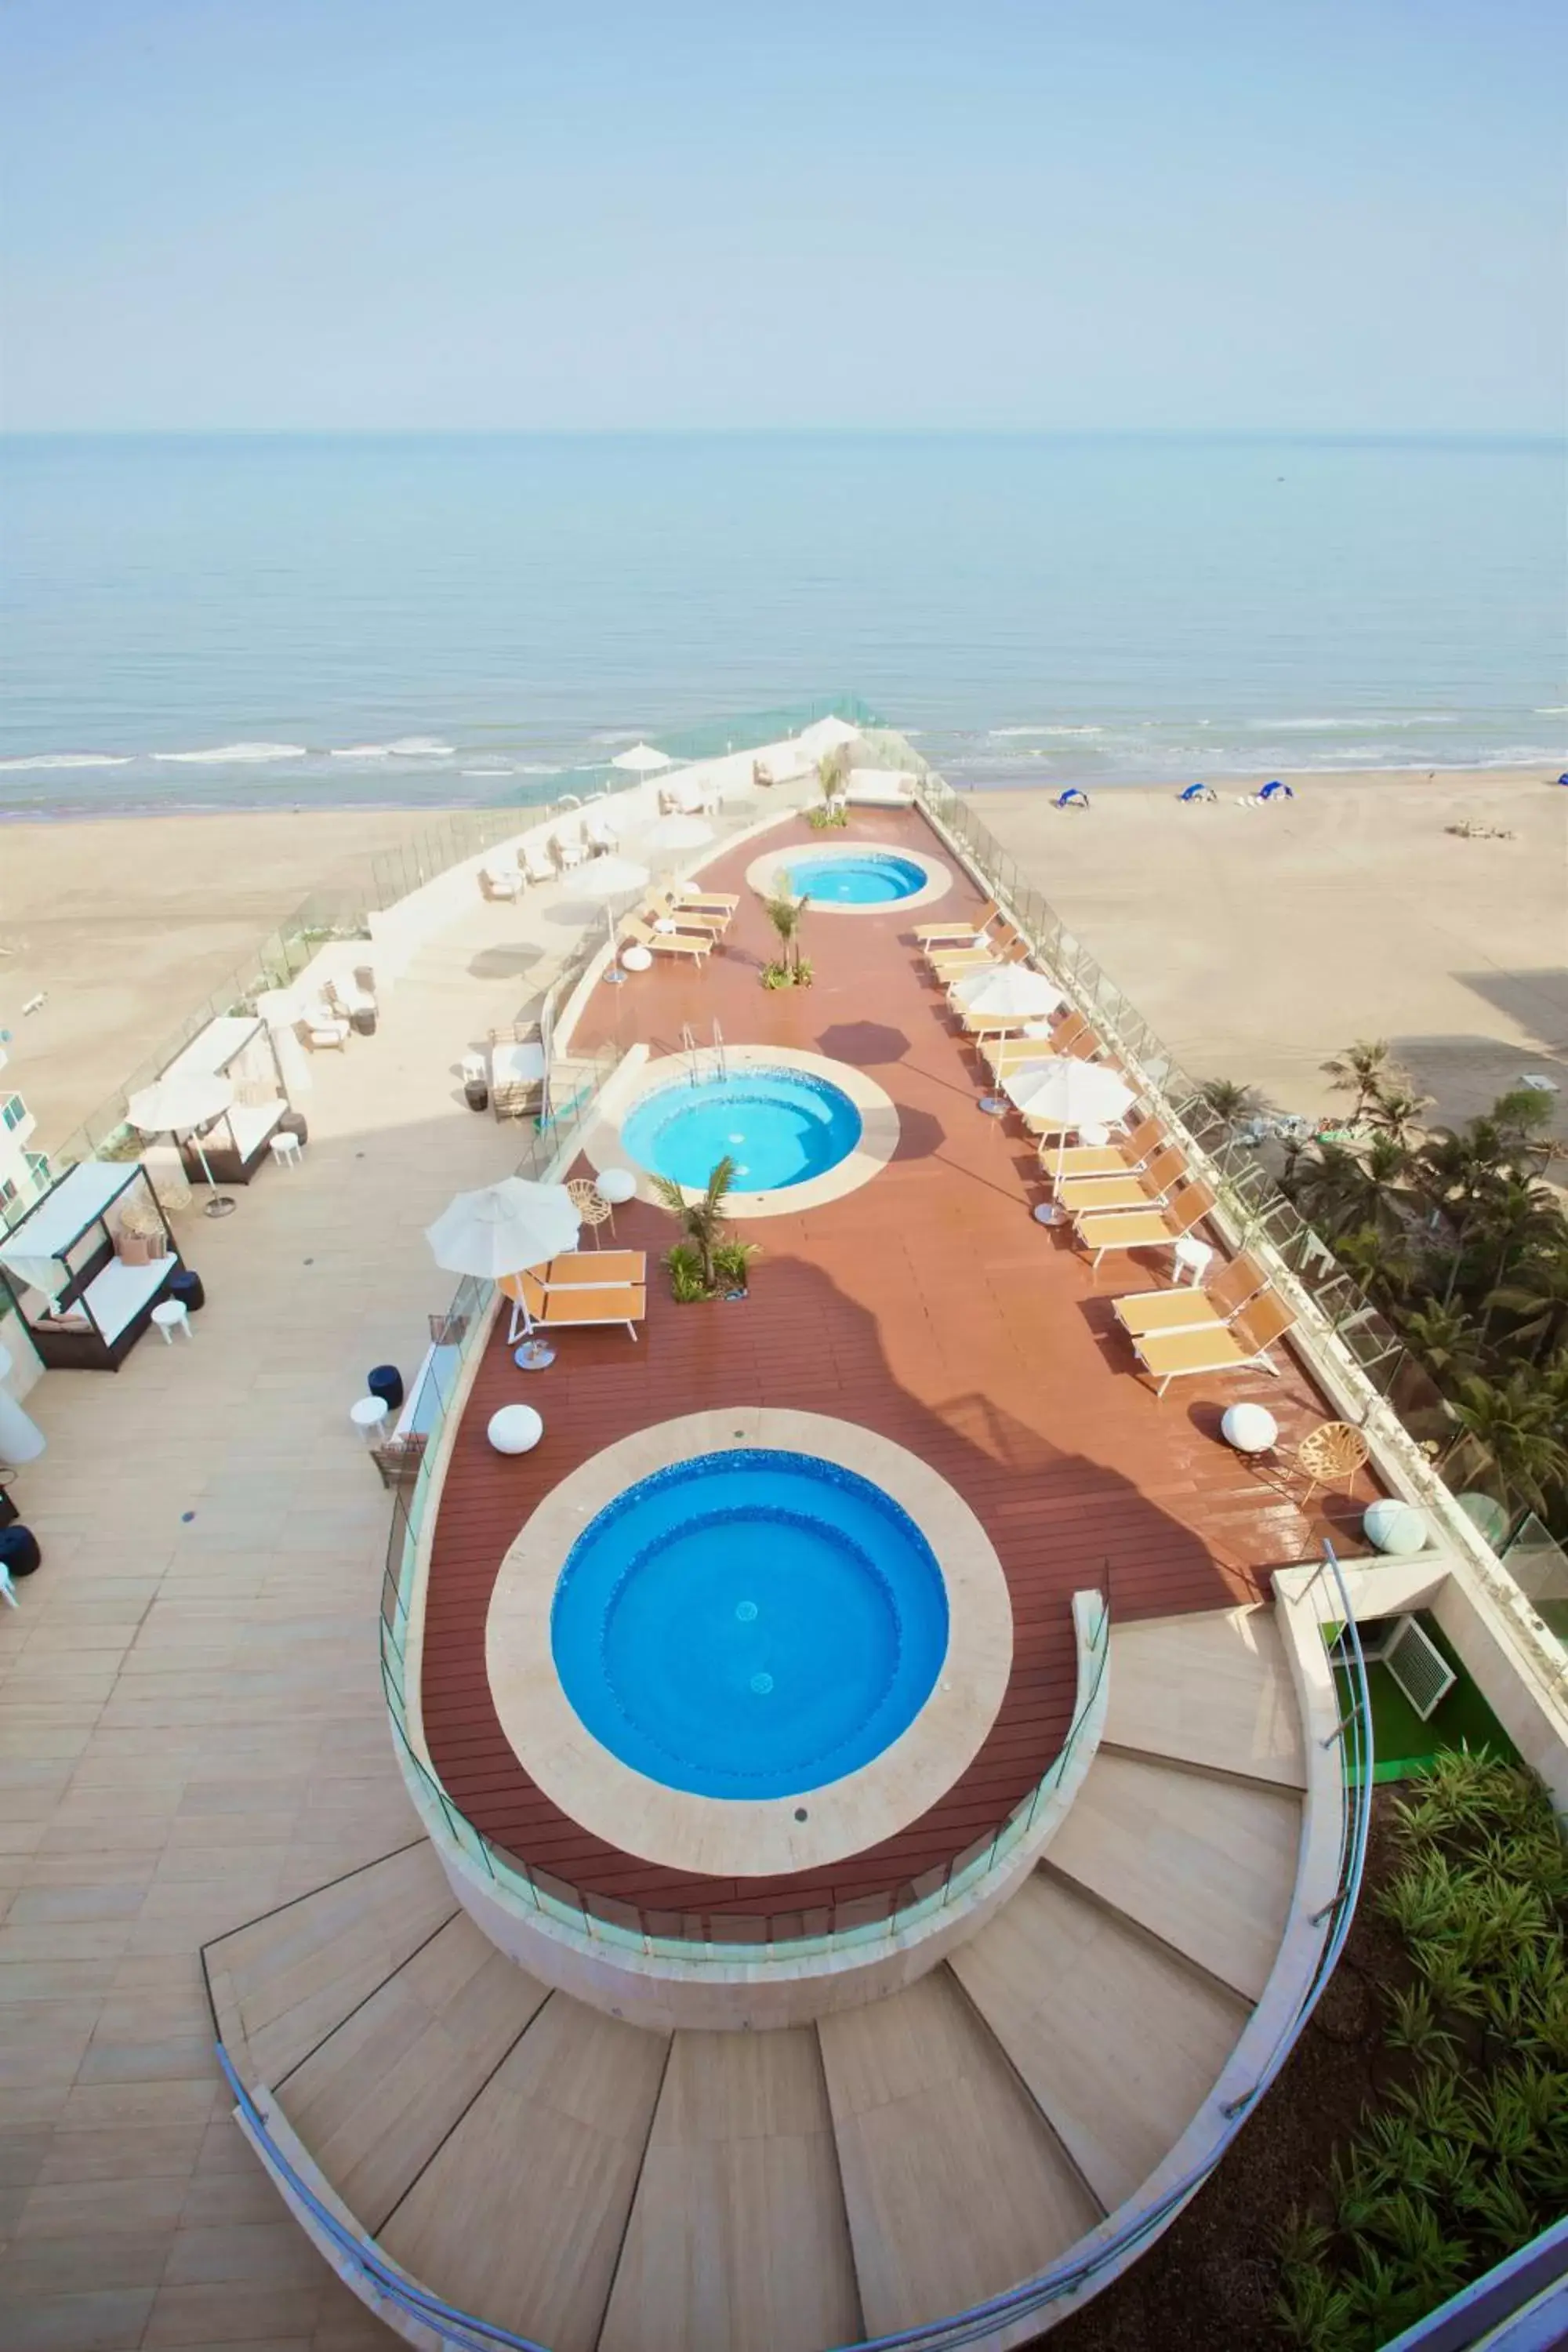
{"x": 1067, "y": 1093}
{"x": 642, "y": 759}
{"x": 827, "y": 734}
{"x": 612, "y": 879}
{"x": 504, "y": 1227}
{"x": 676, "y": 833}
{"x": 182, "y": 1104}
{"x": 1010, "y": 991}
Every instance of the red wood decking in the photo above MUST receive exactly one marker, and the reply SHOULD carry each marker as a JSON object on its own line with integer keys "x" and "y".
{"x": 928, "y": 1306}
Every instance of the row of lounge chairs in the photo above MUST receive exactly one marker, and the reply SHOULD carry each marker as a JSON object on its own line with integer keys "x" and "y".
{"x": 1131, "y": 1191}
{"x": 507, "y": 875}
{"x": 694, "y": 920}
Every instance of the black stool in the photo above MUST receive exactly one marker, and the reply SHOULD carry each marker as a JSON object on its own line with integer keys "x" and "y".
{"x": 387, "y": 1382}
{"x": 293, "y": 1123}
{"x": 19, "y": 1550}
{"x": 186, "y": 1286}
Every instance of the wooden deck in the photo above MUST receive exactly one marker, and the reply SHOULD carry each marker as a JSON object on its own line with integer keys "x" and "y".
{"x": 928, "y": 1306}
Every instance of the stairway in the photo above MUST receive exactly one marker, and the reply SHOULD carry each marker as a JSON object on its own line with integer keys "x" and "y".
{"x": 601, "y": 2187}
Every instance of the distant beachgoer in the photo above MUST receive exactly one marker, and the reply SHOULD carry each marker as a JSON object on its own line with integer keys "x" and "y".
{"x": 1071, "y": 798}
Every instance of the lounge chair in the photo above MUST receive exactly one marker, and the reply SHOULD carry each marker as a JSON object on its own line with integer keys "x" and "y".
{"x": 615, "y": 1270}
{"x": 536, "y": 862}
{"x": 1238, "y": 1345}
{"x": 692, "y": 917}
{"x": 1147, "y": 1188}
{"x": 577, "y": 1305}
{"x": 1055, "y": 1040}
{"x": 696, "y": 947}
{"x": 1122, "y": 1153}
{"x": 568, "y": 849}
{"x": 517, "y": 1071}
{"x": 320, "y": 1030}
{"x": 1187, "y": 1308}
{"x": 599, "y": 834}
{"x": 718, "y": 902}
{"x": 948, "y": 964}
{"x": 1117, "y": 1229}
{"x": 966, "y": 932}
{"x": 499, "y": 881}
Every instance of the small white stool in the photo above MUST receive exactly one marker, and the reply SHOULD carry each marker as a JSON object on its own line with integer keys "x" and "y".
{"x": 1192, "y": 1259}
{"x": 286, "y": 1149}
{"x": 170, "y": 1315}
{"x": 367, "y": 1414}
{"x": 515, "y": 1429}
{"x": 1249, "y": 1428}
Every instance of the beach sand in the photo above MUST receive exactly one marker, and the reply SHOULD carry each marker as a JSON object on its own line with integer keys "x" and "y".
{"x": 1257, "y": 941}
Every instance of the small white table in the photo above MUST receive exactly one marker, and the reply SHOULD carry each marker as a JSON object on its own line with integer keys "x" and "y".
{"x": 515, "y": 1429}
{"x": 1192, "y": 1259}
{"x": 1249, "y": 1428}
{"x": 170, "y": 1315}
{"x": 368, "y": 1415}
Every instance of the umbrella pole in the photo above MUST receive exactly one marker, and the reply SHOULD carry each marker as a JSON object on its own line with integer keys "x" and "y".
{"x": 614, "y": 975}
{"x": 220, "y": 1205}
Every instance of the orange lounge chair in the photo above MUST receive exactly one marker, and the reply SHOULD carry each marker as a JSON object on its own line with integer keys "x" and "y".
{"x": 1117, "y": 1229}
{"x": 1146, "y": 1188}
{"x": 709, "y": 923}
{"x": 576, "y": 1305}
{"x": 705, "y": 902}
{"x": 963, "y": 933}
{"x": 1071, "y": 1035}
{"x": 954, "y": 960}
{"x": 1117, "y": 1157}
{"x": 697, "y": 946}
{"x": 590, "y": 1270}
{"x": 1188, "y": 1309}
{"x": 1240, "y": 1345}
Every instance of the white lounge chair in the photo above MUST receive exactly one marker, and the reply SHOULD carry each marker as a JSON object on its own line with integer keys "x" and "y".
{"x": 568, "y": 848}
{"x": 599, "y": 834}
{"x": 536, "y": 862}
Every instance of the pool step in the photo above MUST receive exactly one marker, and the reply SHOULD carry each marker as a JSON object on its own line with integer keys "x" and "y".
{"x": 1211, "y": 1690}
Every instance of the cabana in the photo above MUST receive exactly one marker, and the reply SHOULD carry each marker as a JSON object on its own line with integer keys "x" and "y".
{"x": 237, "y": 1047}
{"x": 89, "y": 1263}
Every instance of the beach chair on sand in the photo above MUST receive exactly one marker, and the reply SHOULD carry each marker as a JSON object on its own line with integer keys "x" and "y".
{"x": 966, "y": 932}
{"x": 1146, "y": 1188}
{"x": 1122, "y": 1153}
{"x": 1238, "y": 1345}
{"x": 1117, "y": 1229}
{"x": 695, "y": 946}
{"x": 1187, "y": 1308}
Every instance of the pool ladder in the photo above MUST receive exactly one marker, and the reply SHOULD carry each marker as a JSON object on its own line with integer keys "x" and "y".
{"x": 693, "y": 1052}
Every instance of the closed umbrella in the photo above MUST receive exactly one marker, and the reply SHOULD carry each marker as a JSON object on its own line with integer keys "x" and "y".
{"x": 1007, "y": 992}
{"x": 504, "y": 1227}
{"x": 610, "y": 879}
{"x": 181, "y": 1104}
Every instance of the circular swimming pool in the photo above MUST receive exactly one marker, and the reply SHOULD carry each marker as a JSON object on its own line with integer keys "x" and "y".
{"x": 753, "y": 1624}
{"x": 780, "y": 1127}
{"x": 870, "y": 878}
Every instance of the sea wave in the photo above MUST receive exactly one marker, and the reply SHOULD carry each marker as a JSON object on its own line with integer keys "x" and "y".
{"x": 1549, "y": 710}
{"x": 70, "y": 759}
{"x": 403, "y": 746}
{"x": 237, "y": 755}
{"x": 1004, "y": 734}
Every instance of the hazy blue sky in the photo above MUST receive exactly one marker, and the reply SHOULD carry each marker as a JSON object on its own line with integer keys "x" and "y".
{"x": 471, "y": 213}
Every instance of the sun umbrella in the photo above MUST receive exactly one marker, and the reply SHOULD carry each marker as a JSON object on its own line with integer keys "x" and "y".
{"x": 1008, "y": 992}
{"x": 503, "y": 1228}
{"x": 609, "y": 878}
{"x": 676, "y": 833}
{"x": 642, "y": 759}
{"x": 180, "y": 1105}
{"x": 1061, "y": 1092}
{"x": 826, "y": 735}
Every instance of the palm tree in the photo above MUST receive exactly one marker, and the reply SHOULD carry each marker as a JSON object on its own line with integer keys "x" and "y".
{"x": 1447, "y": 1343}
{"x": 1328, "y": 1187}
{"x": 701, "y": 1220}
{"x": 1365, "y": 1069}
{"x": 785, "y": 914}
{"x": 831, "y": 770}
{"x": 1538, "y": 1294}
{"x": 1396, "y": 1114}
{"x": 1229, "y": 1100}
{"x": 1517, "y": 1420}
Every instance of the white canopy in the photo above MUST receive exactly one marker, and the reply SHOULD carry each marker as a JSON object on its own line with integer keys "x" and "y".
{"x": 1009, "y": 992}
{"x": 610, "y": 877}
{"x": 826, "y": 735}
{"x": 642, "y": 759}
{"x": 1075, "y": 1093}
{"x": 503, "y": 1228}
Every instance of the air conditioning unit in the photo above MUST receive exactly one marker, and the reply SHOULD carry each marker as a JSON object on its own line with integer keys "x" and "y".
{"x": 1414, "y": 1660}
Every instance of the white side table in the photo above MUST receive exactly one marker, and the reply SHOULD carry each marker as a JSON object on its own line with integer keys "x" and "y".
{"x": 515, "y": 1429}
{"x": 170, "y": 1315}
{"x": 368, "y": 1414}
{"x": 1192, "y": 1259}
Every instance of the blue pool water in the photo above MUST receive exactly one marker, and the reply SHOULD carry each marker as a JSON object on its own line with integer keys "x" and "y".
{"x": 879, "y": 878}
{"x": 750, "y": 1623}
{"x": 779, "y": 1126}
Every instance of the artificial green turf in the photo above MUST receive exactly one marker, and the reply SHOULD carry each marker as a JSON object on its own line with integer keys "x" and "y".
{"x": 1402, "y": 1743}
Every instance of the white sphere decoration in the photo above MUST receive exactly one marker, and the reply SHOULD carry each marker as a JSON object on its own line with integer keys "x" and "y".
{"x": 636, "y": 958}
{"x": 1395, "y": 1526}
{"x": 515, "y": 1429}
{"x": 616, "y": 1185}
{"x": 1249, "y": 1428}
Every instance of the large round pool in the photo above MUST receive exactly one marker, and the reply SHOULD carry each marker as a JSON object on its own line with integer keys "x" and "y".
{"x": 751, "y": 1623}
{"x": 779, "y": 1126}
{"x": 871, "y": 877}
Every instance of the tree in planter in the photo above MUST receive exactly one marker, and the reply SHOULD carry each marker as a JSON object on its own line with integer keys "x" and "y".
{"x": 787, "y": 916}
{"x": 831, "y": 771}
{"x": 708, "y": 1256}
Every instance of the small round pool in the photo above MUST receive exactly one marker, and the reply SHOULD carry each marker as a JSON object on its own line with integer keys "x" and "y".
{"x": 749, "y": 1624}
{"x": 871, "y": 877}
{"x": 780, "y": 1128}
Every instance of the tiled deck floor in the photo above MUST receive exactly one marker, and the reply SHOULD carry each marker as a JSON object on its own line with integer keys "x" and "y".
{"x": 928, "y": 1306}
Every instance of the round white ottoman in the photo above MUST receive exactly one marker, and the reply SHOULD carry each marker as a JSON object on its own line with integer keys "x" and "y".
{"x": 515, "y": 1429}
{"x": 616, "y": 1185}
{"x": 1395, "y": 1526}
{"x": 1249, "y": 1428}
{"x": 636, "y": 958}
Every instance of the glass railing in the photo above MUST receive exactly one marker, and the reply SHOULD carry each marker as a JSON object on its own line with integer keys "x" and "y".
{"x": 1468, "y": 1499}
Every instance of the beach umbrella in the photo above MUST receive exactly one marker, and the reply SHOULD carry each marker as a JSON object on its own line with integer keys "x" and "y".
{"x": 1008, "y": 992}
{"x": 642, "y": 759}
{"x": 676, "y": 833}
{"x": 608, "y": 879}
{"x": 1063, "y": 1092}
{"x": 504, "y": 1227}
{"x": 826, "y": 735}
{"x": 182, "y": 1103}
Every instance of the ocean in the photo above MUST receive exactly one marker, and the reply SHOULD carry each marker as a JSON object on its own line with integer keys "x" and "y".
{"x": 260, "y": 621}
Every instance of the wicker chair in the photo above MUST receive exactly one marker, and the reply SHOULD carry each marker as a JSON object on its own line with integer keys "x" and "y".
{"x": 591, "y": 1205}
{"x": 1332, "y": 1451}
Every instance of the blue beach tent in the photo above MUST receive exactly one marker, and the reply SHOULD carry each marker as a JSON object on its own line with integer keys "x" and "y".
{"x": 1071, "y": 798}
{"x": 1277, "y": 791}
{"x": 1562, "y": 780}
{"x": 1195, "y": 793}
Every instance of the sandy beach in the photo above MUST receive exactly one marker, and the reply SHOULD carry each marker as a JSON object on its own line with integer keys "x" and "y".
{"x": 1260, "y": 940}
{"x": 1256, "y": 940}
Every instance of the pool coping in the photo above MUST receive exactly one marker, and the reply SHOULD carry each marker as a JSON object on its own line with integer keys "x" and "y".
{"x": 719, "y": 1837}
{"x": 879, "y": 1127}
{"x": 766, "y": 875}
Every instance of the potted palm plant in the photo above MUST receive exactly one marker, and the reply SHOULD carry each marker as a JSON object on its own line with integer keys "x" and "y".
{"x": 709, "y": 1259}
{"x": 791, "y": 969}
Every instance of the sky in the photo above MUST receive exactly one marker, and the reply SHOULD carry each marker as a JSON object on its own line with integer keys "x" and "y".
{"x": 1338, "y": 215}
